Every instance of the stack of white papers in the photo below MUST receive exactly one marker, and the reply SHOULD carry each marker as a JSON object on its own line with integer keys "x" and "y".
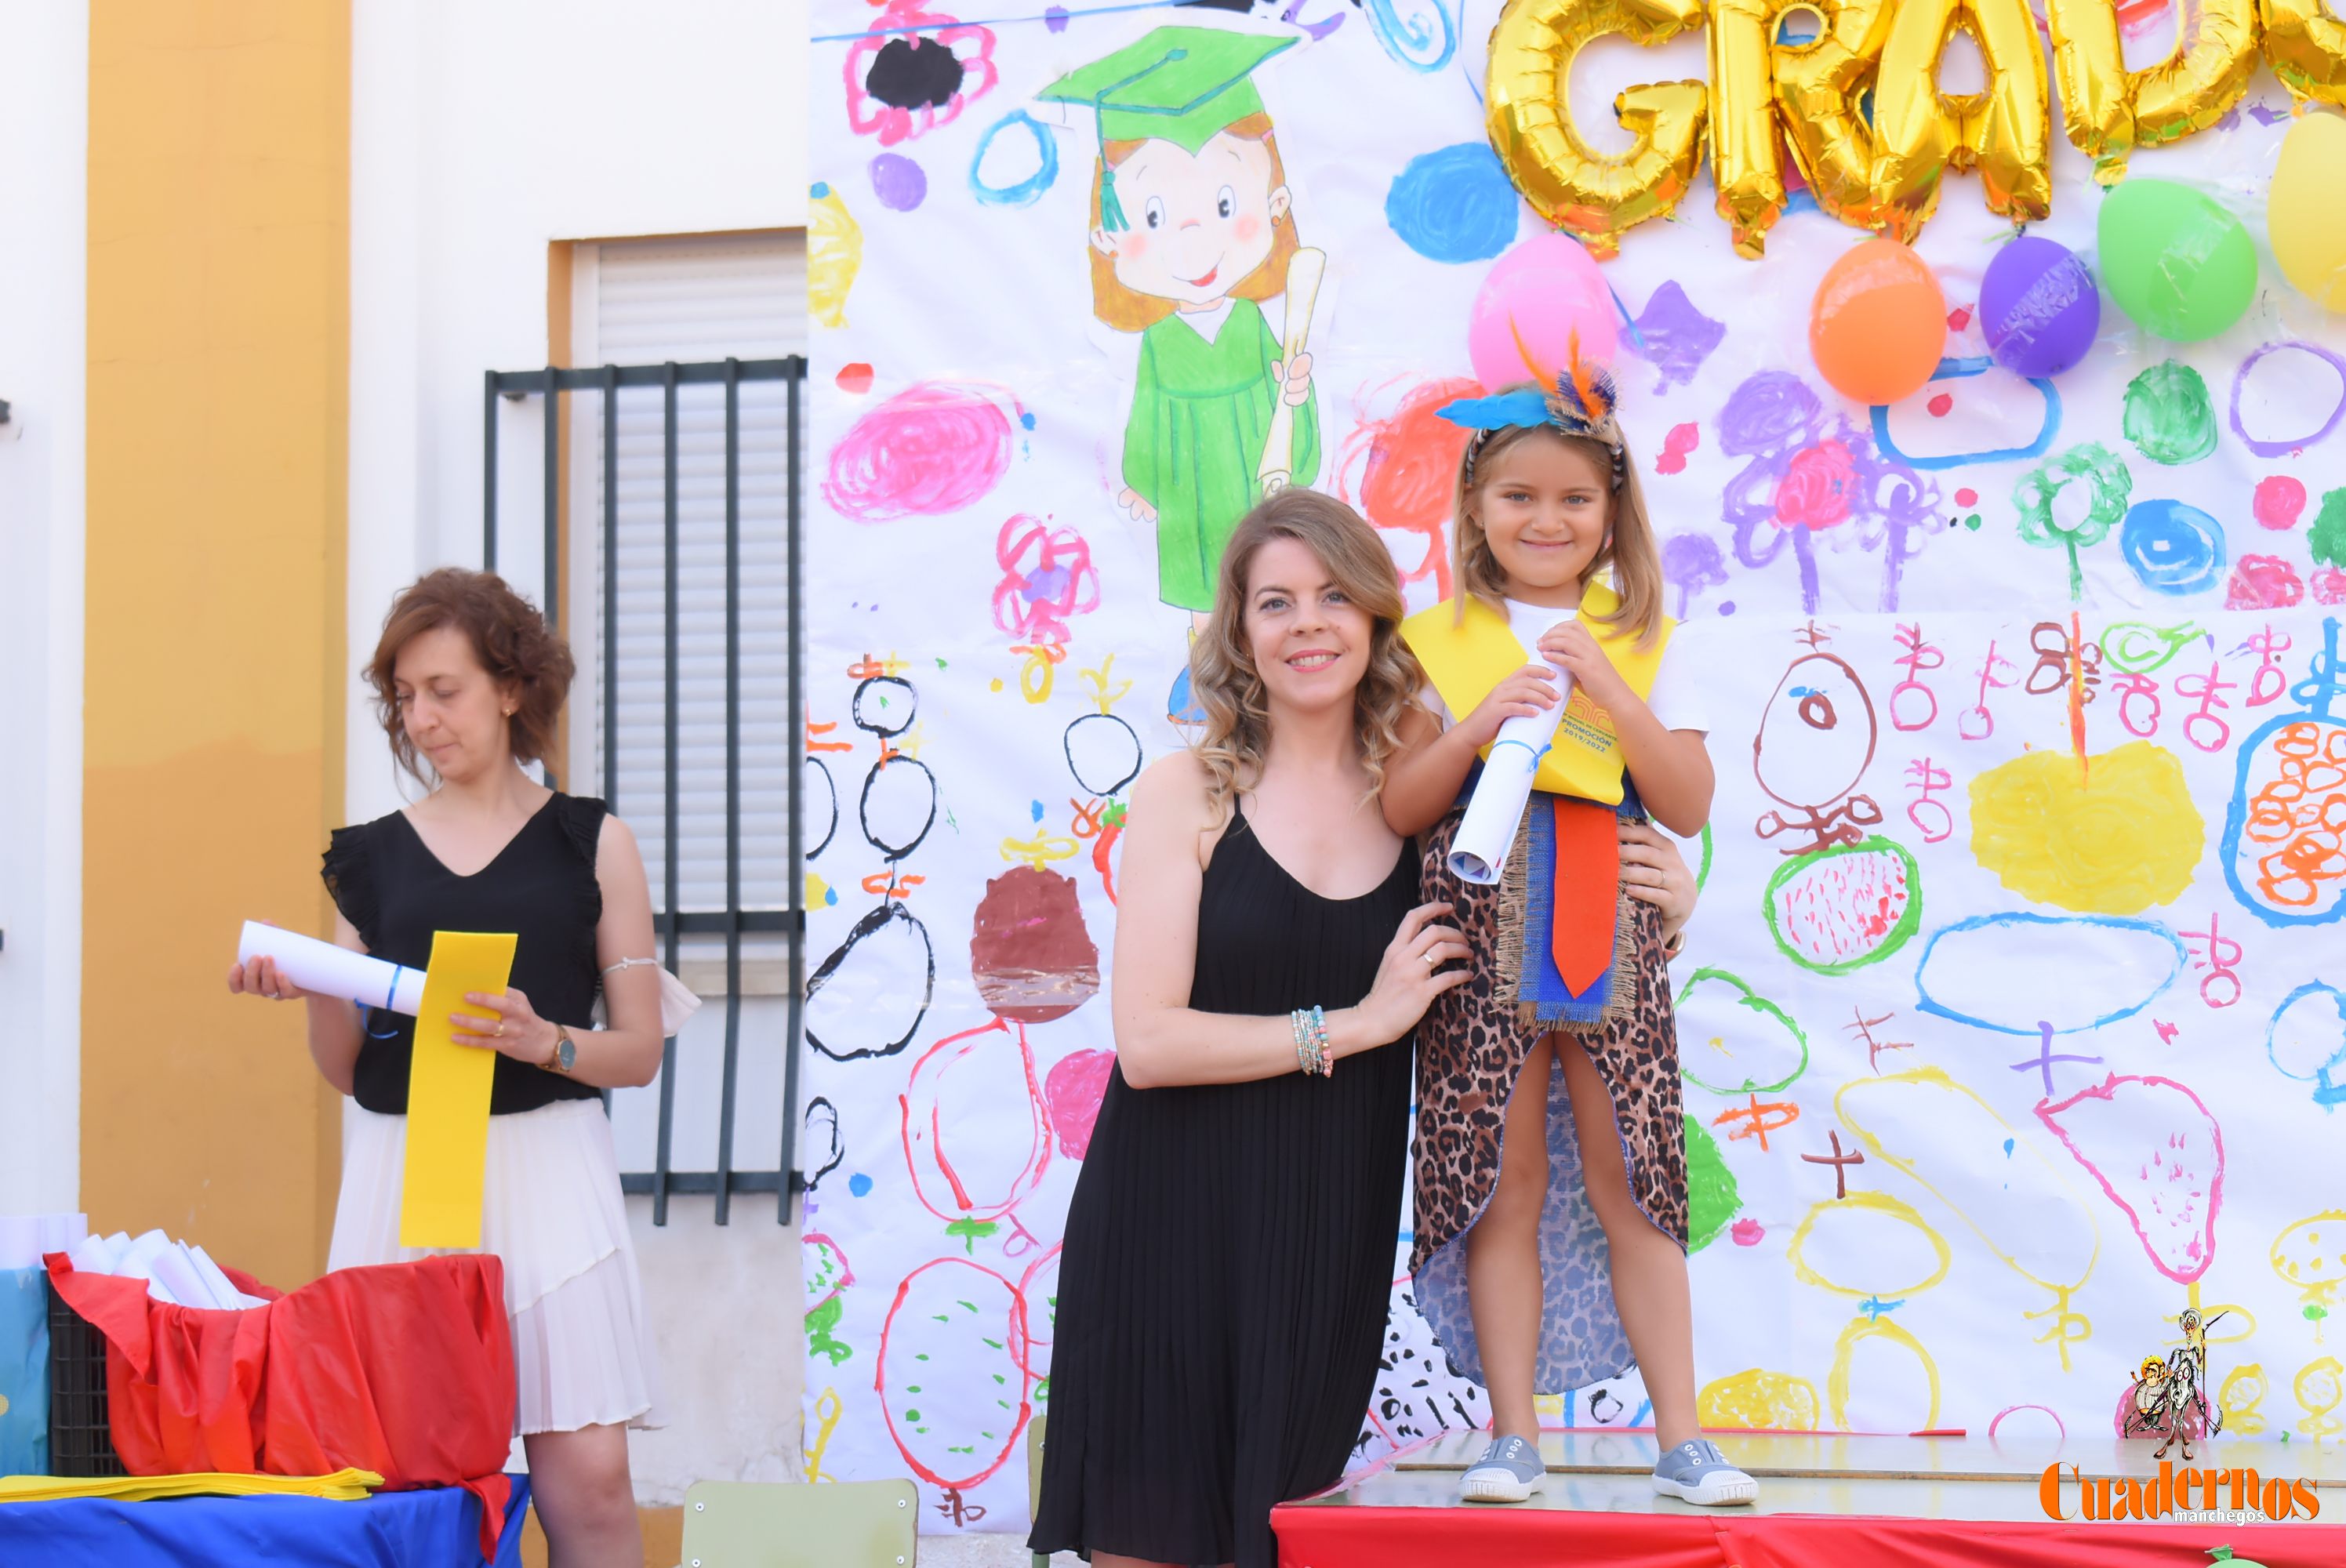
{"x": 177, "y": 1274}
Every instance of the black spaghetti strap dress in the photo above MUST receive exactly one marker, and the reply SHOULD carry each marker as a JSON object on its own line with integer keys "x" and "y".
{"x": 1230, "y": 1249}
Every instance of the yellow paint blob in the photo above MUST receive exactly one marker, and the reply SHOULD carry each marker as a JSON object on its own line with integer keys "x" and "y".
{"x": 1759, "y": 1397}
{"x": 834, "y": 255}
{"x": 2115, "y": 835}
{"x": 2244, "y": 1390}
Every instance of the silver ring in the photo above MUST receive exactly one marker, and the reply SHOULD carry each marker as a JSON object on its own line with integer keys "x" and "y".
{"x": 1431, "y": 960}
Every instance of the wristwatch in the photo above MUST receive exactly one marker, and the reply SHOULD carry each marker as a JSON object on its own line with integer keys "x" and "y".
{"x": 565, "y": 1054}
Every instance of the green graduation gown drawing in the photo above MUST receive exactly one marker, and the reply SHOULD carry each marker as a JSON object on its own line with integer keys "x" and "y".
{"x": 1201, "y": 413}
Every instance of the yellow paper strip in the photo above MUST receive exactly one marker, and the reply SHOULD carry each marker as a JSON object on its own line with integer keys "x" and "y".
{"x": 448, "y": 1095}
{"x": 343, "y": 1486}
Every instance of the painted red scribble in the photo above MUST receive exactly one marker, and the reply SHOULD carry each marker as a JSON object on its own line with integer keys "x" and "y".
{"x": 815, "y": 732}
{"x": 1942, "y": 405}
{"x": 2263, "y": 583}
{"x": 1916, "y": 658}
{"x": 1046, "y": 576}
{"x": 1676, "y": 447}
{"x": 906, "y": 25}
{"x": 934, "y": 448}
{"x": 956, "y": 1309}
{"x": 2329, "y": 585}
{"x": 2170, "y": 1190}
{"x": 892, "y": 883}
{"x": 1959, "y": 317}
{"x": 2219, "y": 954}
{"x": 2202, "y": 727}
{"x": 1407, "y": 468}
{"x": 854, "y": 379}
{"x": 922, "y": 1109}
{"x": 1817, "y": 487}
{"x": 2270, "y": 681}
{"x": 2137, "y": 693}
{"x": 1926, "y": 812}
{"x": 2280, "y": 501}
{"x": 1976, "y": 723}
{"x": 1101, "y": 821}
{"x": 1074, "y": 1090}
{"x": 1967, "y": 496}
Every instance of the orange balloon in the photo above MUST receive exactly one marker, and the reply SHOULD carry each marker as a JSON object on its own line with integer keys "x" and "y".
{"x": 1880, "y": 322}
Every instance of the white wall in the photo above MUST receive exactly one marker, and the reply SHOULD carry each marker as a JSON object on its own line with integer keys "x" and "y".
{"x": 44, "y": 164}
{"x": 481, "y": 130}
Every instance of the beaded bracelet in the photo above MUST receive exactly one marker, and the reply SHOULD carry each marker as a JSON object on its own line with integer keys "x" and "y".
{"x": 1312, "y": 1051}
{"x": 1299, "y": 1022}
{"x": 1319, "y": 1045}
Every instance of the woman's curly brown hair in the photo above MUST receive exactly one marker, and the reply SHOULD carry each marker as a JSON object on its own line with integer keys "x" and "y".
{"x": 528, "y": 662}
{"x": 1222, "y": 676}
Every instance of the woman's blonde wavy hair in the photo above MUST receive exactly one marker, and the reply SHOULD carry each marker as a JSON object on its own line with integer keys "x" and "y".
{"x": 1222, "y": 676}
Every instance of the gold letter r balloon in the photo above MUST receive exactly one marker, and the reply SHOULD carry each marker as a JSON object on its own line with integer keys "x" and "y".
{"x": 1593, "y": 196}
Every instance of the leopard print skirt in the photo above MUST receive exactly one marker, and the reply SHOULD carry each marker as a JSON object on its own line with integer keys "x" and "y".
{"x": 1470, "y": 1050}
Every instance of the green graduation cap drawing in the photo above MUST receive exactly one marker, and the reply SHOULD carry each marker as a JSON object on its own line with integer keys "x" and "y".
{"x": 1182, "y": 84}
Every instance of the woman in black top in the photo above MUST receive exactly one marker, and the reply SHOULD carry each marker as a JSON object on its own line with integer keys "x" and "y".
{"x": 469, "y": 682}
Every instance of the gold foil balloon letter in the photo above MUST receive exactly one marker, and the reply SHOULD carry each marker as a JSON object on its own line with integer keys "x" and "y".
{"x": 2109, "y": 110}
{"x": 1576, "y": 188}
{"x": 2002, "y": 132}
{"x": 1810, "y": 89}
{"x": 2306, "y": 43}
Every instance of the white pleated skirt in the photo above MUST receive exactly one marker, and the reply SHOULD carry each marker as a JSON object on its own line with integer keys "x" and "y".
{"x": 553, "y": 1212}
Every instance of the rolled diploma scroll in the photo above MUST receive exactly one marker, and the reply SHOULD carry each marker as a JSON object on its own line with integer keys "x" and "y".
{"x": 1479, "y": 853}
{"x": 331, "y": 971}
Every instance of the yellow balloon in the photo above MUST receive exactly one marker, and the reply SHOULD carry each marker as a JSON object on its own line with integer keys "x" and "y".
{"x": 2306, "y": 44}
{"x": 1593, "y": 195}
{"x": 1807, "y": 90}
{"x": 2109, "y": 110}
{"x": 2303, "y": 213}
{"x": 2002, "y": 132}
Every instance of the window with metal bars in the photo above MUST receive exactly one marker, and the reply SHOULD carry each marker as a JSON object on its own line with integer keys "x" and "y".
{"x": 688, "y": 545}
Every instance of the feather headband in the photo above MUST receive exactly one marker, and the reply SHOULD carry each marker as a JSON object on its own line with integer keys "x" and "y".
{"x": 1581, "y": 406}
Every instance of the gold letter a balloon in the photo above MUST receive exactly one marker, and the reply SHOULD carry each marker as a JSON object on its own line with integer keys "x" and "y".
{"x": 1573, "y": 187}
{"x": 2003, "y": 132}
{"x": 2306, "y": 43}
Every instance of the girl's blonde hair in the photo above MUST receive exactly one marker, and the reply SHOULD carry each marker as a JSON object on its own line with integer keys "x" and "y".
{"x": 1222, "y": 675}
{"x": 1128, "y": 309}
{"x": 1630, "y": 550}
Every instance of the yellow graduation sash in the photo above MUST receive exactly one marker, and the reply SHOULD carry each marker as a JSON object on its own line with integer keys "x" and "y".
{"x": 1466, "y": 660}
{"x": 448, "y": 1088}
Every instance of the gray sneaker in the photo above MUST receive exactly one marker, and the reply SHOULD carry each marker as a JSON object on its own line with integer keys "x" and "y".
{"x": 1697, "y": 1473}
{"x": 1509, "y": 1472}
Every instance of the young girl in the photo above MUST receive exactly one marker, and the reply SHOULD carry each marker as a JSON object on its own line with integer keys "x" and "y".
{"x": 1551, "y": 1159}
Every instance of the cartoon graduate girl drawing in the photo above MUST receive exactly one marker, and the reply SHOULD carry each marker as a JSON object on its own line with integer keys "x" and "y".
{"x": 1193, "y": 225}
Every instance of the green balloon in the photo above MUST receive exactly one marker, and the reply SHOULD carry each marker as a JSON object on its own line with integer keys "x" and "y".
{"x": 2174, "y": 260}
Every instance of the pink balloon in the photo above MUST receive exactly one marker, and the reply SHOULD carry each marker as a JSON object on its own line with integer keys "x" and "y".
{"x": 1533, "y": 301}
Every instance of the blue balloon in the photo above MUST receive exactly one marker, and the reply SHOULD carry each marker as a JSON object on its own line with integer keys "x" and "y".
{"x": 2172, "y": 548}
{"x": 1455, "y": 204}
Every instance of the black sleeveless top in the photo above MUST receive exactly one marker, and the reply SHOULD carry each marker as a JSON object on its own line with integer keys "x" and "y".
{"x": 541, "y": 886}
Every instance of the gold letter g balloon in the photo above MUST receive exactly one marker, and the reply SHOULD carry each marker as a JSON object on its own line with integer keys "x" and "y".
{"x": 1590, "y": 194}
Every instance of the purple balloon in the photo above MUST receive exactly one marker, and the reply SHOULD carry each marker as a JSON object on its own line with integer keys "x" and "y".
{"x": 2038, "y": 307}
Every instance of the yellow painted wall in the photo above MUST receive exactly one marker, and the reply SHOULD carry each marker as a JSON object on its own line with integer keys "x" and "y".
{"x": 219, "y": 346}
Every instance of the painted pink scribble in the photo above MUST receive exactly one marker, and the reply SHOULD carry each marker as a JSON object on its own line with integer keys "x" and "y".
{"x": 2263, "y": 583}
{"x": 1816, "y": 488}
{"x": 1403, "y": 470}
{"x": 2280, "y": 501}
{"x": 2158, "y": 1153}
{"x": 1046, "y": 576}
{"x": 913, "y": 71}
{"x": 1676, "y": 446}
{"x": 934, "y": 448}
{"x": 2330, "y": 587}
{"x": 1072, "y": 1091}
{"x": 1747, "y": 1232}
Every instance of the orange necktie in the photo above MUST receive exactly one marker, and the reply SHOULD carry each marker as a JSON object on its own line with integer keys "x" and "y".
{"x": 1587, "y": 889}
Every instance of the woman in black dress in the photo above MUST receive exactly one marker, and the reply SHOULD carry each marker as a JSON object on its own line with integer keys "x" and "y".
{"x": 1230, "y": 1242}
{"x": 470, "y": 682}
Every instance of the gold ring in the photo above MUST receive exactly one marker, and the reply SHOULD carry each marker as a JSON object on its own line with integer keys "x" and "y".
{"x": 501, "y": 1028}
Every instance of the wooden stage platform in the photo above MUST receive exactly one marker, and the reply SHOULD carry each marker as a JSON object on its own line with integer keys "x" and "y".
{"x": 1835, "y": 1501}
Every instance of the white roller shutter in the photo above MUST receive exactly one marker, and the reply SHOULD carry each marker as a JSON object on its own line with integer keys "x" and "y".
{"x": 637, "y": 302}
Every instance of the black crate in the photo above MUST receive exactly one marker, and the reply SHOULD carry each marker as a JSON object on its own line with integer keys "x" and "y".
{"x": 81, "y": 1443}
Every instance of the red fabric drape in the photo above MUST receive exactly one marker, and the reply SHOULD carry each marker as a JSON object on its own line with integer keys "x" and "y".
{"x": 1339, "y": 1537}
{"x": 405, "y": 1369}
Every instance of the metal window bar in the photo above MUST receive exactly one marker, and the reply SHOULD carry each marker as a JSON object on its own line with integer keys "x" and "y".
{"x": 670, "y": 922}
